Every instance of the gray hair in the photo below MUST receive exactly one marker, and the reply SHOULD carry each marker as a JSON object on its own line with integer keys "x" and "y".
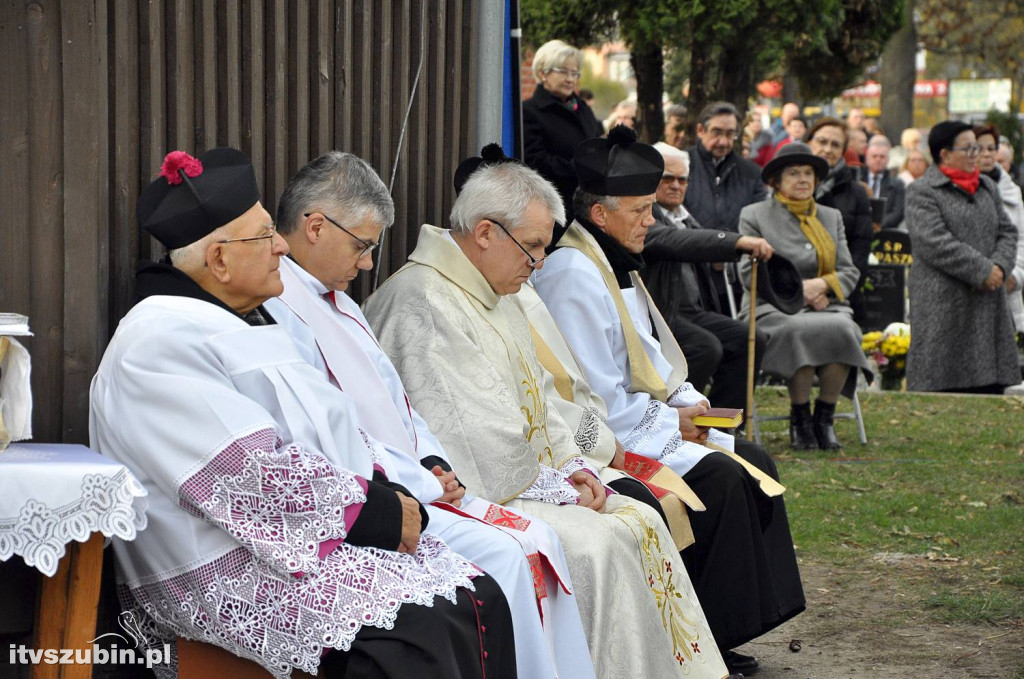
{"x": 191, "y": 258}
{"x": 582, "y": 201}
{"x": 718, "y": 108}
{"x": 503, "y": 192}
{"x": 880, "y": 140}
{"x": 553, "y": 54}
{"x": 676, "y": 111}
{"x": 340, "y": 182}
{"x": 668, "y": 151}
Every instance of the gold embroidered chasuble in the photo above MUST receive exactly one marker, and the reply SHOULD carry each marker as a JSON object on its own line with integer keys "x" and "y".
{"x": 469, "y": 366}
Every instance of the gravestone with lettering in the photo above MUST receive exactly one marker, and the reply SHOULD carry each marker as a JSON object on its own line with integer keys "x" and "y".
{"x": 885, "y": 286}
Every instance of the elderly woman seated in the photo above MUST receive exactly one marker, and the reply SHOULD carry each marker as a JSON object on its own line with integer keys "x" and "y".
{"x": 821, "y": 338}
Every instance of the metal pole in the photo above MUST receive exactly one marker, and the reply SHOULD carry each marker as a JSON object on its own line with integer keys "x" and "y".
{"x": 751, "y": 347}
{"x": 490, "y": 41}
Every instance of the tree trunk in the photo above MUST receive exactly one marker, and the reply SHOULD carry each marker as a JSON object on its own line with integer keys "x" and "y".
{"x": 735, "y": 76}
{"x": 700, "y": 73}
{"x": 649, "y": 68}
{"x": 791, "y": 91}
{"x": 897, "y": 78}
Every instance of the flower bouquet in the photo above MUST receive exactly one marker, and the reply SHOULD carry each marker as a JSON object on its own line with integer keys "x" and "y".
{"x": 889, "y": 350}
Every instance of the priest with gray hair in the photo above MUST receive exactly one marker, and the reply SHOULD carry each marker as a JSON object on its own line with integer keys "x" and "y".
{"x": 742, "y": 561}
{"x": 332, "y": 215}
{"x": 275, "y": 531}
{"x": 451, "y": 324}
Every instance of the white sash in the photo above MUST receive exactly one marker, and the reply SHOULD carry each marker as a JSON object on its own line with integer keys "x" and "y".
{"x": 349, "y": 365}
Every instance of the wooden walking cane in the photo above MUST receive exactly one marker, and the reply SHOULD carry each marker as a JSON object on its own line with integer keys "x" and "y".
{"x": 751, "y": 346}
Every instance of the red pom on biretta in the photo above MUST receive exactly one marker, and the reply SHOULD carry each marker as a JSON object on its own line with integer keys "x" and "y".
{"x": 176, "y": 161}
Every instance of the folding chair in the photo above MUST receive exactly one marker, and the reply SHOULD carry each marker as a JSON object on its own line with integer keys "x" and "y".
{"x": 753, "y": 418}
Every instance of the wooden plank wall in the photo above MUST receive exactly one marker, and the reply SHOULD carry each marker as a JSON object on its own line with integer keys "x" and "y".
{"x": 96, "y": 92}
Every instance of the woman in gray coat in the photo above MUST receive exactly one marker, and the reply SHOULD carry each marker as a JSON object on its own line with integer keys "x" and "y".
{"x": 964, "y": 246}
{"x": 822, "y": 338}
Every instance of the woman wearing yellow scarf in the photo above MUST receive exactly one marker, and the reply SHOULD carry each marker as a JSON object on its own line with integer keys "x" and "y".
{"x": 822, "y": 338}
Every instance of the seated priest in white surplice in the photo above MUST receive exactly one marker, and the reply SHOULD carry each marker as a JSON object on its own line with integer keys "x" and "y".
{"x": 451, "y": 325}
{"x": 274, "y": 531}
{"x": 332, "y": 215}
{"x": 742, "y": 563}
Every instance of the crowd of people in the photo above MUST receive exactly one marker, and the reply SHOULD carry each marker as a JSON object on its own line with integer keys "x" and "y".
{"x": 495, "y": 467}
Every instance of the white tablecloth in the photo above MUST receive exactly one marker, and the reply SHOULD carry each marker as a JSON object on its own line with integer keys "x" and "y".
{"x": 51, "y": 494}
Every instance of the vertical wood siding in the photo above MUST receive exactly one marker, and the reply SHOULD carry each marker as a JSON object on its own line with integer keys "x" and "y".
{"x": 96, "y": 92}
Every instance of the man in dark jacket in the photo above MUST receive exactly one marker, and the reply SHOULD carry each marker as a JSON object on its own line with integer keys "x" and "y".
{"x": 721, "y": 182}
{"x": 882, "y": 182}
{"x": 677, "y": 251}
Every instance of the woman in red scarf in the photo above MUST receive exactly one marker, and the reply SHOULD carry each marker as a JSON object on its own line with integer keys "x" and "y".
{"x": 964, "y": 246}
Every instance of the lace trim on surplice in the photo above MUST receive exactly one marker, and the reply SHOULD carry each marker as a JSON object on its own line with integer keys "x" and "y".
{"x": 552, "y": 486}
{"x": 279, "y": 501}
{"x": 588, "y": 433}
{"x": 282, "y": 621}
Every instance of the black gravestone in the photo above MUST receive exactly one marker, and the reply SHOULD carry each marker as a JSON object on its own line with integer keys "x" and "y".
{"x": 884, "y": 296}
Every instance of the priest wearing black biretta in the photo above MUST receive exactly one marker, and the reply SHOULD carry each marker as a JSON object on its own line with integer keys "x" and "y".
{"x": 742, "y": 564}
{"x": 273, "y": 532}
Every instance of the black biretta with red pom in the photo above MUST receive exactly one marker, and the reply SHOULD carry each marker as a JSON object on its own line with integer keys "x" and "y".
{"x": 492, "y": 154}
{"x": 193, "y": 197}
{"x": 618, "y": 165}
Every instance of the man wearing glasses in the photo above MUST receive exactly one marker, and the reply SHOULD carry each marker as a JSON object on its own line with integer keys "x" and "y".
{"x": 678, "y": 251}
{"x": 333, "y": 336}
{"x": 722, "y": 183}
{"x": 274, "y": 531}
{"x": 463, "y": 346}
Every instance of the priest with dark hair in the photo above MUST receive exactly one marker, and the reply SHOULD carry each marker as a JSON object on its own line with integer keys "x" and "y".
{"x": 274, "y": 532}
{"x": 742, "y": 563}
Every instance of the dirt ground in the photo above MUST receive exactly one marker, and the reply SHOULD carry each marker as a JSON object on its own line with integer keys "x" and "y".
{"x": 847, "y": 632}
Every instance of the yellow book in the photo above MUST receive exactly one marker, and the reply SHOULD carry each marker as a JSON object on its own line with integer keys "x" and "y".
{"x": 723, "y": 418}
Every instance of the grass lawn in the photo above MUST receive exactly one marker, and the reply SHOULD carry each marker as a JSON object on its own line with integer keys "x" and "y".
{"x": 932, "y": 508}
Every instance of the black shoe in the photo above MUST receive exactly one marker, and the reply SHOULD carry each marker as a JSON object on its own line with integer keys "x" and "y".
{"x": 801, "y": 427}
{"x": 737, "y": 663}
{"x": 824, "y": 415}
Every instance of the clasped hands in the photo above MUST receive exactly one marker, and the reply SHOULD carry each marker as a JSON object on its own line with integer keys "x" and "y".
{"x": 411, "y": 520}
{"x": 995, "y": 280}
{"x": 816, "y": 293}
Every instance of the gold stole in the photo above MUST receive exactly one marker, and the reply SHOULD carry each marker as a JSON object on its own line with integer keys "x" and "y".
{"x": 643, "y": 378}
{"x": 640, "y": 367}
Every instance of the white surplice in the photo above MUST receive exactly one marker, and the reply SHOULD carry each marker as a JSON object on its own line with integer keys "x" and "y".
{"x": 467, "y": 360}
{"x": 521, "y": 553}
{"x": 254, "y": 468}
{"x": 576, "y": 295}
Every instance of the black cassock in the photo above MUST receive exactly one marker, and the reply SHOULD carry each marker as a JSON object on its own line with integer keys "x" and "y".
{"x": 742, "y": 565}
{"x": 471, "y": 639}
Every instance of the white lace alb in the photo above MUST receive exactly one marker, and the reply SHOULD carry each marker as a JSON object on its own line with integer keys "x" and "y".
{"x": 553, "y": 487}
{"x": 283, "y": 622}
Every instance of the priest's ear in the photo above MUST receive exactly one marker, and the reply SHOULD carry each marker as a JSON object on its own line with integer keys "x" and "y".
{"x": 482, "y": 233}
{"x": 313, "y": 225}
{"x": 216, "y": 262}
{"x": 599, "y": 215}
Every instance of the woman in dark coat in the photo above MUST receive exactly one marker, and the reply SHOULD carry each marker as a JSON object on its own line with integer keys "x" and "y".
{"x": 821, "y": 339}
{"x": 964, "y": 246}
{"x": 841, "y": 190}
{"x": 555, "y": 119}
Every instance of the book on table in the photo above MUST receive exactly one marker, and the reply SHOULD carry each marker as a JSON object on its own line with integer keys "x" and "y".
{"x": 723, "y": 418}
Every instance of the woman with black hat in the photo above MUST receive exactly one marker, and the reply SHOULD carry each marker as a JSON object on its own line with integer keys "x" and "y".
{"x": 821, "y": 337}
{"x": 964, "y": 248}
